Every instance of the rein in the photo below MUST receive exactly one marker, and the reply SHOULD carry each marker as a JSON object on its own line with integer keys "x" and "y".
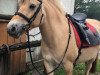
{"x": 27, "y": 27}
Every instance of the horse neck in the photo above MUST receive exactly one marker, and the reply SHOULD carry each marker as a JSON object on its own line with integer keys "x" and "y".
{"x": 54, "y": 26}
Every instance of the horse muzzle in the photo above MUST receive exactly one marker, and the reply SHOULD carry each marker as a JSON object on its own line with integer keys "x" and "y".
{"x": 15, "y": 30}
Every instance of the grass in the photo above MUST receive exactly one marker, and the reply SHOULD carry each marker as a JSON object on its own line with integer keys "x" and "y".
{"x": 98, "y": 66}
{"x": 78, "y": 70}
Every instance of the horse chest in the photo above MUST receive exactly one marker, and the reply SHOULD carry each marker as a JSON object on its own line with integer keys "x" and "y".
{"x": 49, "y": 56}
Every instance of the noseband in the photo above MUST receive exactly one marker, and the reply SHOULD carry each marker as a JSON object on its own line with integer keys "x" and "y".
{"x": 29, "y": 20}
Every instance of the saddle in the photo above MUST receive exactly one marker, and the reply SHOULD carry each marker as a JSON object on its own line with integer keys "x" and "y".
{"x": 86, "y": 32}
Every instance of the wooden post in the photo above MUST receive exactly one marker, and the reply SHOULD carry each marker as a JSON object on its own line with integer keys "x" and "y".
{"x": 15, "y": 62}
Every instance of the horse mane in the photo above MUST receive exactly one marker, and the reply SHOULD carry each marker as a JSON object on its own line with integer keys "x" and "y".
{"x": 58, "y": 5}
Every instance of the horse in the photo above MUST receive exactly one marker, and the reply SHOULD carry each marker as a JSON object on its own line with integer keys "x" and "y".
{"x": 49, "y": 16}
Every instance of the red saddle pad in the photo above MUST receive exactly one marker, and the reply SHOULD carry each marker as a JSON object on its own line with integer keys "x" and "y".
{"x": 78, "y": 40}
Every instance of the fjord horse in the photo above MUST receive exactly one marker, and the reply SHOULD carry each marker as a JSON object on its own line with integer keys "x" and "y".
{"x": 50, "y": 18}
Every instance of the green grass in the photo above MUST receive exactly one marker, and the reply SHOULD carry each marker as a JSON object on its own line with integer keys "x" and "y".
{"x": 60, "y": 71}
{"x": 98, "y": 66}
{"x": 78, "y": 70}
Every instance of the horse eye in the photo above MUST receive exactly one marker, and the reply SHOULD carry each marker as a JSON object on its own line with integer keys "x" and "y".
{"x": 32, "y": 6}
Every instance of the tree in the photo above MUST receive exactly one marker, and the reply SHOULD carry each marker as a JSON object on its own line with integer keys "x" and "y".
{"x": 90, "y": 7}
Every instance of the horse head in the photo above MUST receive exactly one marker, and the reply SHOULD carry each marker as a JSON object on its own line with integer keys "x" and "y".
{"x": 28, "y": 16}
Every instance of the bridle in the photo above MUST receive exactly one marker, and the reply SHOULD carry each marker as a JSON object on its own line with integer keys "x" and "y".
{"x": 26, "y": 28}
{"x": 30, "y": 20}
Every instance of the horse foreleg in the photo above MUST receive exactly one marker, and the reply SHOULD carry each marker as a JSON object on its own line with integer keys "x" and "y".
{"x": 49, "y": 67}
{"x": 68, "y": 67}
{"x": 88, "y": 65}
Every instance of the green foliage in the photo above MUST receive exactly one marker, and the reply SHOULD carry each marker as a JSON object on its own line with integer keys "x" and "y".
{"x": 90, "y": 7}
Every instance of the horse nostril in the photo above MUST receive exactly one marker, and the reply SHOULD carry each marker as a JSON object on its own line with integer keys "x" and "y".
{"x": 13, "y": 29}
